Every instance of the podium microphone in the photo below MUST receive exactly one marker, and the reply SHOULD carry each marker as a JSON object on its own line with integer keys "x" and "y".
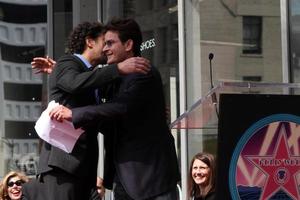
{"x": 213, "y": 95}
{"x": 210, "y": 57}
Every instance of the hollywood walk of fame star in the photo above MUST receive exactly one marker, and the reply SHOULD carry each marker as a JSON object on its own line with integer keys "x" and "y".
{"x": 280, "y": 169}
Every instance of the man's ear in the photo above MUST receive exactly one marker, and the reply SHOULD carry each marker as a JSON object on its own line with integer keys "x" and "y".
{"x": 89, "y": 42}
{"x": 129, "y": 45}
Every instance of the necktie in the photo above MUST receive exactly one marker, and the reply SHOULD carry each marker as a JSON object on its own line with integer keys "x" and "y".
{"x": 97, "y": 96}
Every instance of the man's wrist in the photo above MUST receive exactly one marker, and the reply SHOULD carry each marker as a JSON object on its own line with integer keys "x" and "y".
{"x": 119, "y": 67}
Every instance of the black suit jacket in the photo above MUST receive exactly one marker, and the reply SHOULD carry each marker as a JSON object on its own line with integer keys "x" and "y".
{"x": 142, "y": 149}
{"x": 73, "y": 88}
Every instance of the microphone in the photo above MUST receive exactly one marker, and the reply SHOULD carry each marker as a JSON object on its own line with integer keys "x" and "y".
{"x": 210, "y": 56}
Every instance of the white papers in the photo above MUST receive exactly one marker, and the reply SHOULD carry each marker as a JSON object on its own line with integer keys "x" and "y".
{"x": 59, "y": 134}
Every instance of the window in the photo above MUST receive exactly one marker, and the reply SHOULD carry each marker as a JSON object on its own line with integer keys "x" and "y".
{"x": 252, "y": 31}
{"x": 20, "y": 130}
{"x": 62, "y": 25}
{"x": 23, "y": 14}
{"x": 25, "y": 92}
{"x": 21, "y": 54}
{"x": 252, "y": 78}
{"x": 143, "y": 6}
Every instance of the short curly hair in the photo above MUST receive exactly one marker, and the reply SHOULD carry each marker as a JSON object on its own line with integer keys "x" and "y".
{"x": 76, "y": 40}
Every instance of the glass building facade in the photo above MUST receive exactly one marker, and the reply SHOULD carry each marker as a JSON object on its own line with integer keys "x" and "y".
{"x": 195, "y": 44}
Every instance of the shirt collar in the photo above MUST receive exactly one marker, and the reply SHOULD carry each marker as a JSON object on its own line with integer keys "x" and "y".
{"x": 85, "y": 61}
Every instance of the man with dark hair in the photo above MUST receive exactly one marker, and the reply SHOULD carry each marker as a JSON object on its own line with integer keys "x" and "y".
{"x": 73, "y": 83}
{"x": 140, "y": 152}
{"x": 127, "y": 29}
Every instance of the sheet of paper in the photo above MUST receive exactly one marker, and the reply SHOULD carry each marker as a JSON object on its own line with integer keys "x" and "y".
{"x": 59, "y": 134}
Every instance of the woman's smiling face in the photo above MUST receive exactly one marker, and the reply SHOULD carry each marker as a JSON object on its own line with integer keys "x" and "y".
{"x": 14, "y": 188}
{"x": 200, "y": 173}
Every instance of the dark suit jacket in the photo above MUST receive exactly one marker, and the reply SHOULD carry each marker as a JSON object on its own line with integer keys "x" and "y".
{"x": 143, "y": 151}
{"x": 73, "y": 88}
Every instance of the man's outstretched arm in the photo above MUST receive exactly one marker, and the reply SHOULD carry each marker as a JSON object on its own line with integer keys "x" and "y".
{"x": 128, "y": 66}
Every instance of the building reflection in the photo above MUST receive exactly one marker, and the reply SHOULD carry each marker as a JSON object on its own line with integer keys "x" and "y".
{"x": 22, "y": 37}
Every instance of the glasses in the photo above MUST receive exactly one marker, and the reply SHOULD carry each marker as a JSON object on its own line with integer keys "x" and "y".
{"x": 18, "y": 183}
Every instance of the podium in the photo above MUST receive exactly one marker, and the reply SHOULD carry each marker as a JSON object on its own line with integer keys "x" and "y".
{"x": 258, "y": 142}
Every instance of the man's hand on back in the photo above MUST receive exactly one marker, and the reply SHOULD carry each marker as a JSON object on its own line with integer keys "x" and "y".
{"x": 134, "y": 65}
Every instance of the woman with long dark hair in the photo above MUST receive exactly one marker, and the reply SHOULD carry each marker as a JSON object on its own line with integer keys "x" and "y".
{"x": 202, "y": 177}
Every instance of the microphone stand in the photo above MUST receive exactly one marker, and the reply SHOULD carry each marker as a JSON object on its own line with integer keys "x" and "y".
{"x": 213, "y": 96}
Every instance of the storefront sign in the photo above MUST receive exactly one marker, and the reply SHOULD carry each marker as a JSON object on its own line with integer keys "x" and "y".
{"x": 148, "y": 44}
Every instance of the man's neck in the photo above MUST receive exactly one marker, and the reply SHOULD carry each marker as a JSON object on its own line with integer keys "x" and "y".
{"x": 130, "y": 55}
{"x": 89, "y": 58}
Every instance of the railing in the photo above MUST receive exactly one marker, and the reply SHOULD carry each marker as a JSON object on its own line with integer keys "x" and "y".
{"x": 179, "y": 192}
{"x": 19, "y": 73}
{"x": 23, "y": 34}
{"x": 22, "y": 111}
{"x": 25, "y": 2}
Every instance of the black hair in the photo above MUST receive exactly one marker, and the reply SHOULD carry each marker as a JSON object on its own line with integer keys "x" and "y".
{"x": 127, "y": 29}
{"x": 76, "y": 40}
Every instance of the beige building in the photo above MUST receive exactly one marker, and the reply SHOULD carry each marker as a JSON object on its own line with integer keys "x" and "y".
{"x": 22, "y": 37}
